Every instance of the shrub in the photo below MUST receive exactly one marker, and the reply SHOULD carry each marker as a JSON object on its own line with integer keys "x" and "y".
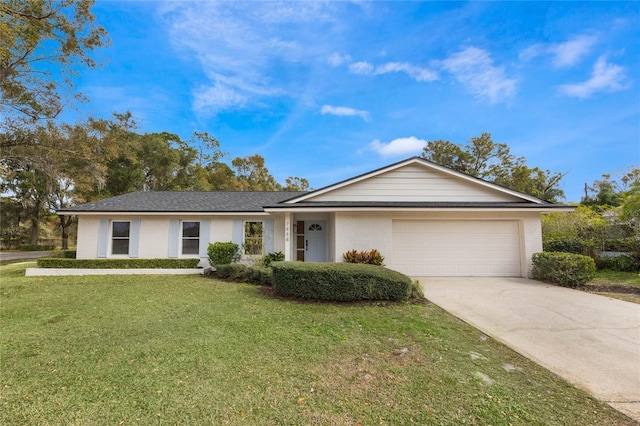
{"x": 118, "y": 263}
{"x": 623, "y": 263}
{"x": 629, "y": 245}
{"x": 569, "y": 245}
{"x": 417, "y": 292}
{"x": 260, "y": 275}
{"x": 221, "y": 253}
{"x": 232, "y": 271}
{"x": 242, "y": 273}
{"x": 372, "y": 257}
{"x": 272, "y": 257}
{"x": 564, "y": 269}
{"x": 63, "y": 254}
{"x": 339, "y": 281}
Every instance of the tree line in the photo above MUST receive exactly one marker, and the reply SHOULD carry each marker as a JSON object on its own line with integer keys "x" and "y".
{"x": 51, "y": 166}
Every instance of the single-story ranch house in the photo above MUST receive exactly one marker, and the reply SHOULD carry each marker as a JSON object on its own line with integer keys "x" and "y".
{"x": 425, "y": 219}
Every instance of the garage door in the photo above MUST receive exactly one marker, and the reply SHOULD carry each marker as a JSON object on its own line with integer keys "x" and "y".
{"x": 456, "y": 248}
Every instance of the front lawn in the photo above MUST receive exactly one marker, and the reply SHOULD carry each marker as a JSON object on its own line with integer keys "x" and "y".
{"x": 620, "y": 285}
{"x": 188, "y": 350}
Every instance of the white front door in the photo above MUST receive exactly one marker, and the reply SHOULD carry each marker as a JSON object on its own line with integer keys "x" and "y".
{"x": 315, "y": 241}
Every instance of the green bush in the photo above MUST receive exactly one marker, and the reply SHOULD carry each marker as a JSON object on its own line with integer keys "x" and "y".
{"x": 372, "y": 257}
{"x": 63, "y": 254}
{"x": 569, "y": 245}
{"x": 221, "y": 253}
{"x": 623, "y": 263}
{"x": 118, "y": 263}
{"x": 564, "y": 269}
{"x": 260, "y": 275}
{"x": 417, "y": 292}
{"x": 238, "y": 272}
{"x": 232, "y": 271}
{"x": 272, "y": 257}
{"x": 629, "y": 245}
{"x": 339, "y": 281}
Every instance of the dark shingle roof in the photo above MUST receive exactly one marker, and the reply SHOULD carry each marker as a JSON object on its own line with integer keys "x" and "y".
{"x": 185, "y": 201}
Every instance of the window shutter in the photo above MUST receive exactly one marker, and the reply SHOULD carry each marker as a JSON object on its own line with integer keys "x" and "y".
{"x": 103, "y": 238}
{"x": 174, "y": 230}
{"x": 134, "y": 238}
{"x": 237, "y": 233}
{"x": 205, "y": 230}
{"x": 268, "y": 236}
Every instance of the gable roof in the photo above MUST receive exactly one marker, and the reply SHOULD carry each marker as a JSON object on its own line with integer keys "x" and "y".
{"x": 414, "y": 183}
{"x": 184, "y": 201}
{"x": 495, "y": 193}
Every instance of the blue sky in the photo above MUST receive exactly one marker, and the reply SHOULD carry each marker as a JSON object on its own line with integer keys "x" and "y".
{"x": 330, "y": 90}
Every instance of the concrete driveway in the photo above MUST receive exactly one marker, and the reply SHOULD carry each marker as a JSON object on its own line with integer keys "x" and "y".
{"x": 591, "y": 341}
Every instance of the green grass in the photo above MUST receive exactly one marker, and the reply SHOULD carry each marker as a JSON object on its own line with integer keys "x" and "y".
{"x": 608, "y": 277}
{"x": 188, "y": 350}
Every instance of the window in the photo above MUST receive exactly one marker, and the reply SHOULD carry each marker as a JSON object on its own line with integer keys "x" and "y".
{"x": 120, "y": 237}
{"x": 190, "y": 237}
{"x": 253, "y": 238}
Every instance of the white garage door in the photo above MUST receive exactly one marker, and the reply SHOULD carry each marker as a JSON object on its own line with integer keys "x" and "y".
{"x": 456, "y": 248}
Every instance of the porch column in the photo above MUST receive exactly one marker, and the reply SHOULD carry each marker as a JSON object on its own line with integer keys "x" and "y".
{"x": 287, "y": 236}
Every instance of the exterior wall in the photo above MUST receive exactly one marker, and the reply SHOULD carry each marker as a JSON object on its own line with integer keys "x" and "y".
{"x": 345, "y": 231}
{"x": 366, "y": 231}
{"x": 531, "y": 235}
{"x": 363, "y": 231}
{"x": 87, "y": 243}
{"x": 154, "y": 233}
{"x": 416, "y": 183}
{"x": 154, "y": 237}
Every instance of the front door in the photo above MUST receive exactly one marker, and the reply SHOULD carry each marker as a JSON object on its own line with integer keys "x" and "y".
{"x": 315, "y": 241}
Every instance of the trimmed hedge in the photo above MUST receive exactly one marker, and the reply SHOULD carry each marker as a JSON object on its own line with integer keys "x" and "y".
{"x": 231, "y": 271}
{"x": 118, "y": 263}
{"x": 564, "y": 269}
{"x": 339, "y": 281}
{"x": 238, "y": 272}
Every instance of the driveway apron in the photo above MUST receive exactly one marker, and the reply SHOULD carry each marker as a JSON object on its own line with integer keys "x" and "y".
{"x": 591, "y": 341}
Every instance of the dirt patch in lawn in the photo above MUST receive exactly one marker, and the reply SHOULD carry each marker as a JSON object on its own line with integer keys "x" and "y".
{"x": 612, "y": 288}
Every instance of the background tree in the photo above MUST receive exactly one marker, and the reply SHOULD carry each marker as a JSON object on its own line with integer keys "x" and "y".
{"x": 43, "y": 44}
{"x": 481, "y": 157}
{"x": 294, "y": 183}
{"x": 252, "y": 175}
{"x": 631, "y": 205}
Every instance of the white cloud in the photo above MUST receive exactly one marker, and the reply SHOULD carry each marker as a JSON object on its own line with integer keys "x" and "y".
{"x": 336, "y": 59}
{"x": 210, "y": 99}
{"x": 605, "y": 77}
{"x": 364, "y": 68}
{"x": 474, "y": 68}
{"x": 344, "y": 112}
{"x": 400, "y": 146}
{"x": 564, "y": 54}
{"x": 417, "y": 73}
{"x": 570, "y": 52}
{"x": 242, "y": 46}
